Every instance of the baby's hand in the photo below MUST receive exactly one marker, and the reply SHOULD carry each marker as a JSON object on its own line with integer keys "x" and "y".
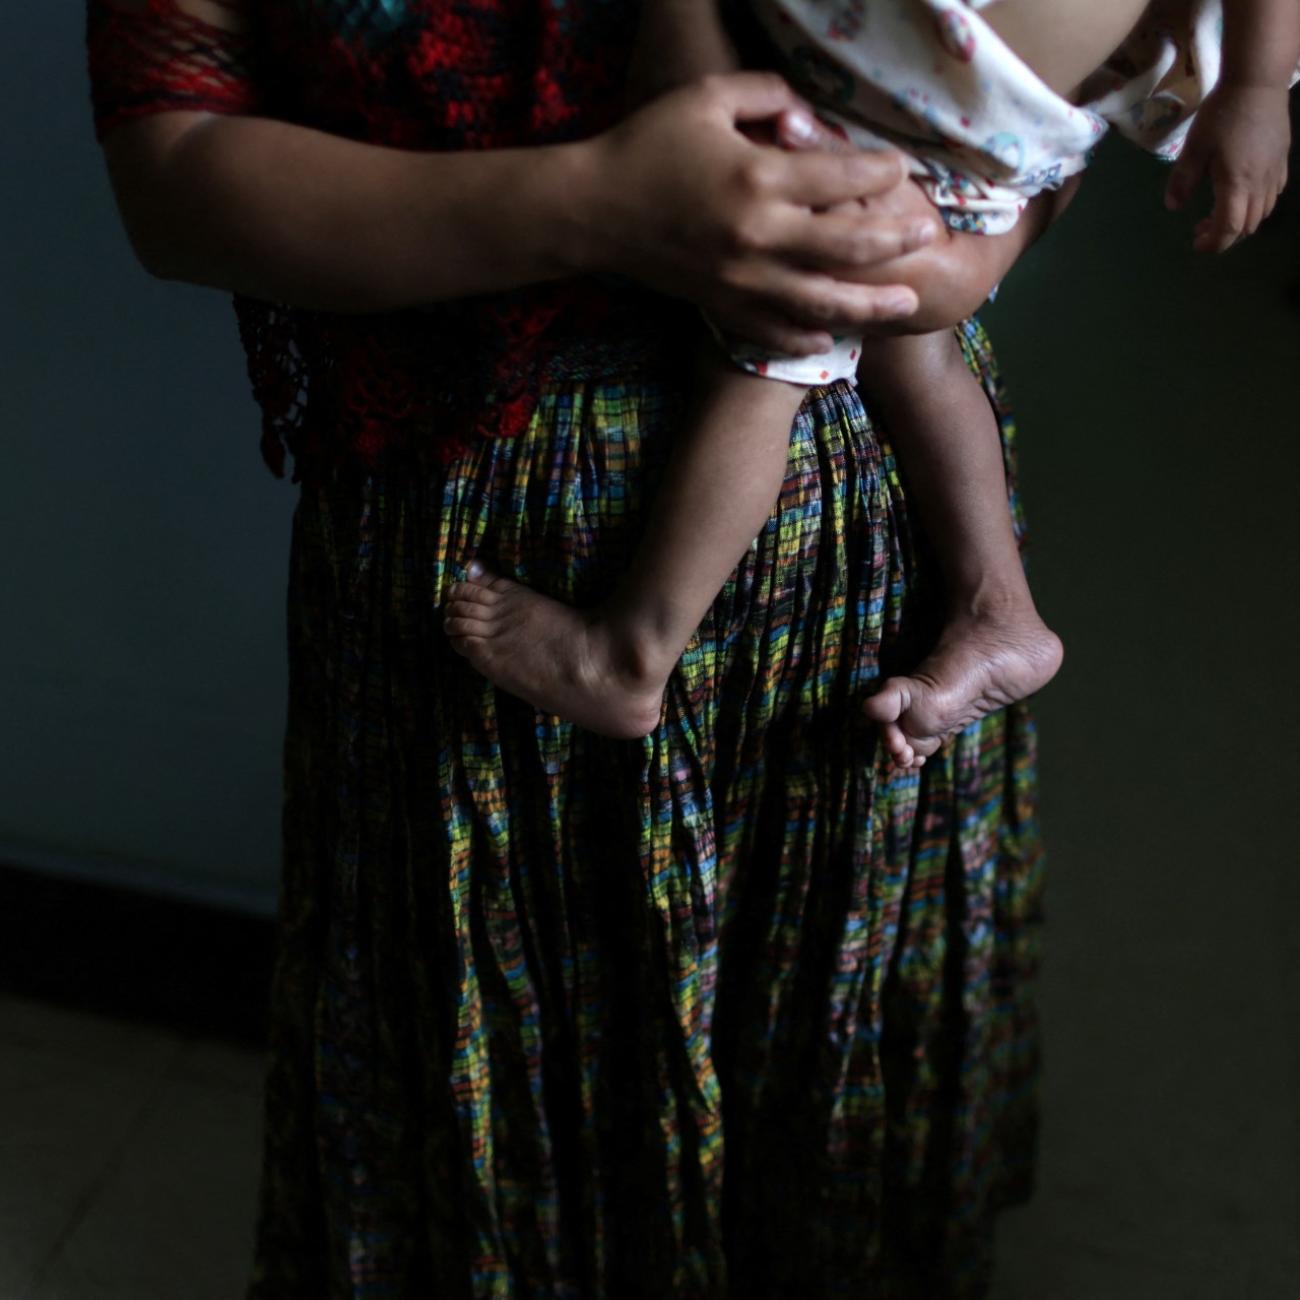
{"x": 1241, "y": 137}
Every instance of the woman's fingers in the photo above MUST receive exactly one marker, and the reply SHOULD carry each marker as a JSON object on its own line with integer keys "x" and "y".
{"x": 769, "y": 176}
{"x": 821, "y": 180}
{"x": 769, "y": 329}
{"x": 849, "y": 238}
{"x": 832, "y": 172}
{"x": 685, "y": 203}
{"x": 801, "y": 130}
{"x": 797, "y": 312}
{"x": 743, "y": 97}
{"x": 816, "y": 302}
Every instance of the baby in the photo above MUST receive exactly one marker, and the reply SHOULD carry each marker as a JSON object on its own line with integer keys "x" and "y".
{"x": 991, "y": 102}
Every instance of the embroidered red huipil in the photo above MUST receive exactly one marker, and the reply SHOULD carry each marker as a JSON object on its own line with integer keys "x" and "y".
{"x": 411, "y": 74}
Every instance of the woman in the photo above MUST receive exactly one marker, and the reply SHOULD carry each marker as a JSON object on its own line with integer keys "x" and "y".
{"x": 730, "y": 1011}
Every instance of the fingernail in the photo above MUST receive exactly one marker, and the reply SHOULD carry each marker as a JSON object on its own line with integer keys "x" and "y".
{"x": 474, "y": 571}
{"x": 812, "y": 346}
{"x": 923, "y": 233}
{"x": 899, "y": 304}
{"x": 799, "y": 125}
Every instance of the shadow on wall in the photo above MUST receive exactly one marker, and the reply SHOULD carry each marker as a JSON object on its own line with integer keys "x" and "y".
{"x": 142, "y": 675}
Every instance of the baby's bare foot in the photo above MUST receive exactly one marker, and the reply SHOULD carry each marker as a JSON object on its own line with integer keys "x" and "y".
{"x": 562, "y": 660}
{"x": 980, "y": 664}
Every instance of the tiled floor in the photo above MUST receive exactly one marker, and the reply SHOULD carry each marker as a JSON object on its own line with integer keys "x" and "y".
{"x": 128, "y": 1160}
{"x": 128, "y": 1164}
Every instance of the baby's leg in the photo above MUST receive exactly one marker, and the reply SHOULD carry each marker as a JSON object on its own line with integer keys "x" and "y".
{"x": 605, "y": 668}
{"x": 994, "y": 648}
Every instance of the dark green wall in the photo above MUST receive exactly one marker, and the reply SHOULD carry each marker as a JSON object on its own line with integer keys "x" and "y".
{"x": 1156, "y": 391}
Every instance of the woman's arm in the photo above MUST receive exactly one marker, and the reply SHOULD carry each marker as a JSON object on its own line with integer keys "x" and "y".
{"x": 291, "y": 214}
{"x": 676, "y": 197}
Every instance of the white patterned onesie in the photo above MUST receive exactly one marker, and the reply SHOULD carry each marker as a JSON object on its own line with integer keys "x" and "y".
{"x": 982, "y": 133}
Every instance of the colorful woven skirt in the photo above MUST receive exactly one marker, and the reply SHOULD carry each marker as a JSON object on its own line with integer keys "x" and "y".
{"x": 730, "y": 1013}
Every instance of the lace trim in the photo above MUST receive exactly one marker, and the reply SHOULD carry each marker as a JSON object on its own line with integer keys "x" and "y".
{"x": 159, "y": 58}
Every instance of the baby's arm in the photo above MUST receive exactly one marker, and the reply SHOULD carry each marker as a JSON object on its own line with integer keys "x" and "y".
{"x": 1242, "y": 133}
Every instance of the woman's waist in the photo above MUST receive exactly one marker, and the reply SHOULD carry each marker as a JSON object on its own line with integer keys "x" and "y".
{"x": 474, "y": 350}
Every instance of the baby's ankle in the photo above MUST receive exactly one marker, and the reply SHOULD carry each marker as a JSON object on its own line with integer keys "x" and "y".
{"x": 994, "y": 600}
{"x": 637, "y": 651}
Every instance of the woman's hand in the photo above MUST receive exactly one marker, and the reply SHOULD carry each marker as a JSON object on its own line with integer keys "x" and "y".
{"x": 954, "y": 276}
{"x": 680, "y": 199}
{"x": 954, "y": 273}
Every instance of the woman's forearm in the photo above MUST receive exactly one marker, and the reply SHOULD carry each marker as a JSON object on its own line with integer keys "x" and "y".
{"x": 675, "y": 196}
{"x": 291, "y": 214}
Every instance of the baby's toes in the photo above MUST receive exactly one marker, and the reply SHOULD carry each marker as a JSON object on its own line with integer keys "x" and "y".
{"x": 900, "y": 751}
{"x": 924, "y": 746}
{"x": 464, "y": 644}
{"x": 888, "y": 704}
{"x": 488, "y": 582}
{"x": 472, "y": 593}
{"x": 462, "y": 619}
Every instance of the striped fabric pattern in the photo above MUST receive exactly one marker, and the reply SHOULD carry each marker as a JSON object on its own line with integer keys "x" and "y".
{"x": 732, "y": 1011}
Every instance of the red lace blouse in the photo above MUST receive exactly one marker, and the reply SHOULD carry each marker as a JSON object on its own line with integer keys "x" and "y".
{"x": 416, "y": 74}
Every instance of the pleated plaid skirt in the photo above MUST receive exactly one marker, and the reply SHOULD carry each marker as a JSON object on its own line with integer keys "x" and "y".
{"x": 729, "y": 1013}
